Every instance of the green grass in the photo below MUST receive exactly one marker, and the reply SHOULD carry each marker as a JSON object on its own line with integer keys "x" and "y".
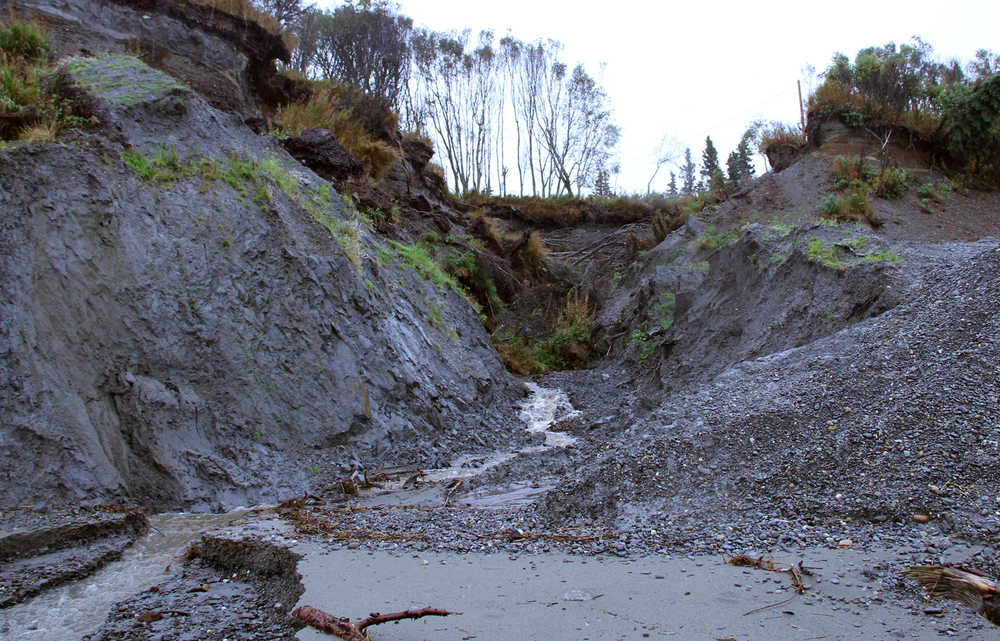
{"x": 829, "y": 256}
{"x": 852, "y": 242}
{"x": 417, "y": 257}
{"x": 712, "y": 239}
{"x": 665, "y": 310}
{"x": 890, "y": 256}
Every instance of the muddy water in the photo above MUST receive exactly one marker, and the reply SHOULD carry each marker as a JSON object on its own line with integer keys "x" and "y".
{"x": 79, "y": 608}
{"x": 543, "y": 410}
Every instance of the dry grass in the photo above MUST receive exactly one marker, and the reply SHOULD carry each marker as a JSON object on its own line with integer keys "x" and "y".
{"x": 779, "y": 133}
{"x": 324, "y": 111}
{"x": 247, "y": 11}
{"x": 565, "y": 212}
{"x": 39, "y": 132}
{"x": 535, "y": 252}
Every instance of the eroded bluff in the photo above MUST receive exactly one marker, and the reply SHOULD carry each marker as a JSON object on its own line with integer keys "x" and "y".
{"x": 190, "y": 318}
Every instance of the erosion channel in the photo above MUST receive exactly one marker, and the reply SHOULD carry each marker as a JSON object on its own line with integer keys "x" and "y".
{"x": 247, "y": 369}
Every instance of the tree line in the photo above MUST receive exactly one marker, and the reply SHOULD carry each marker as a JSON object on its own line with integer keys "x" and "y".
{"x": 507, "y": 116}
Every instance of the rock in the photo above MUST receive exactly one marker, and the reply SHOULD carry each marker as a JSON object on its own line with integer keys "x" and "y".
{"x": 921, "y": 518}
{"x": 319, "y": 150}
{"x": 781, "y": 156}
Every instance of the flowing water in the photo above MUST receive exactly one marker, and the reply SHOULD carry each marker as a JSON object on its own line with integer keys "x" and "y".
{"x": 80, "y": 607}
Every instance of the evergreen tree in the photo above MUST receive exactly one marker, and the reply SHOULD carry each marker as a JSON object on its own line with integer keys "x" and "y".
{"x": 672, "y": 187}
{"x": 602, "y": 186}
{"x": 687, "y": 174}
{"x": 734, "y": 167}
{"x": 740, "y": 162}
{"x": 709, "y": 162}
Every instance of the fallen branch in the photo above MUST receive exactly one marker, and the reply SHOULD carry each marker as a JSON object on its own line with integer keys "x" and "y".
{"x": 764, "y": 563}
{"x": 349, "y": 631}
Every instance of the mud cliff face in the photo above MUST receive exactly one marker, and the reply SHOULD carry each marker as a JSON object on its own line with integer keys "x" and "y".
{"x": 207, "y": 324}
{"x": 227, "y": 60}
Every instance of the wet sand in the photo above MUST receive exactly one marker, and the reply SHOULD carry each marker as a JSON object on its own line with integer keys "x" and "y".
{"x": 557, "y": 596}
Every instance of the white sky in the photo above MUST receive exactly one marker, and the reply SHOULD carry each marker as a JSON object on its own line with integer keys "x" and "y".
{"x": 696, "y": 68}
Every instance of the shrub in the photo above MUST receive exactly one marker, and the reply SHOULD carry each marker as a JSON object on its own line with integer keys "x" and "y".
{"x": 24, "y": 41}
{"x": 829, "y": 206}
{"x": 847, "y": 170}
{"x": 570, "y": 345}
{"x": 891, "y": 184}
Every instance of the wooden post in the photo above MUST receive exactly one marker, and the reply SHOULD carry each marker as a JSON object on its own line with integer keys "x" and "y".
{"x": 802, "y": 113}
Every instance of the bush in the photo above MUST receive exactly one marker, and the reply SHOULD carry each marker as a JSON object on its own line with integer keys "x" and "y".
{"x": 570, "y": 345}
{"x": 24, "y": 41}
{"x": 779, "y": 133}
{"x": 891, "y": 184}
{"x": 35, "y": 111}
{"x": 847, "y": 170}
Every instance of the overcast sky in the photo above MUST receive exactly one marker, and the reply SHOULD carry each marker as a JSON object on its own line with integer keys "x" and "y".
{"x": 697, "y": 68}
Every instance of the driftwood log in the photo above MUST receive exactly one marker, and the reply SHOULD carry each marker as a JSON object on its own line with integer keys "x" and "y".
{"x": 350, "y": 631}
{"x": 965, "y": 585}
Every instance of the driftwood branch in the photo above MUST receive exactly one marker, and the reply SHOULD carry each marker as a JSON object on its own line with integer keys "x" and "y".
{"x": 764, "y": 563}
{"x": 350, "y": 631}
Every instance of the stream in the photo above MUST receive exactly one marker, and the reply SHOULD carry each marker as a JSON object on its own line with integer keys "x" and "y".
{"x": 78, "y": 608}
{"x": 75, "y": 609}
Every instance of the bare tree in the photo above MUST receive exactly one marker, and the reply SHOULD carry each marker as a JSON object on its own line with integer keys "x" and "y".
{"x": 576, "y": 127}
{"x": 666, "y": 153}
{"x": 286, "y": 12}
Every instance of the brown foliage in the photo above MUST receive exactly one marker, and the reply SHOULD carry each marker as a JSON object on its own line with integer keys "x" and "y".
{"x": 564, "y": 211}
{"x": 362, "y": 127}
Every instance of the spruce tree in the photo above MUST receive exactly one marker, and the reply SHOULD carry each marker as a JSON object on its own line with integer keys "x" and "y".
{"x": 602, "y": 185}
{"x": 740, "y": 163}
{"x": 672, "y": 187}
{"x": 687, "y": 174}
{"x": 734, "y": 167}
{"x": 746, "y": 157}
{"x": 709, "y": 162}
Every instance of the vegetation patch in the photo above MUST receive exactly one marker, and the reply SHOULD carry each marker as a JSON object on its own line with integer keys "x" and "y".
{"x": 818, "y": 252}
{"x": 352, "y": 118}
{"x": 903, "y": 89}
{"x": 570, "y": 345}
{"x": 31, "y": 108}
{"x": 712, "y": 239}
{"x": 123, "y": 79}
{"x": 665, "y": 309}
{"x": 258, "y": 180}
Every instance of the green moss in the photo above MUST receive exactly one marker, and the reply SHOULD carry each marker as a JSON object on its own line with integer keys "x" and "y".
{"x": 122, "y": 79}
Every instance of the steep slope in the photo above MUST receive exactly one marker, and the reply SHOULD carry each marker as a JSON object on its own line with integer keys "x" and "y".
{"x": 190, "y": 318}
